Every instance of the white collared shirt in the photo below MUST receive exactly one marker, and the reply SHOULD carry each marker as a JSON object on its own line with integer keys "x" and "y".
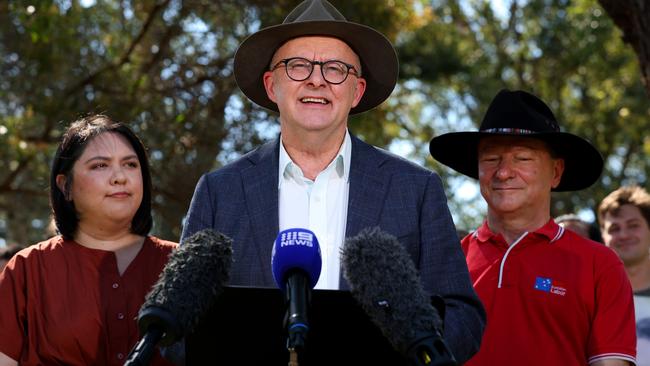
{"x": 320, "y": 205}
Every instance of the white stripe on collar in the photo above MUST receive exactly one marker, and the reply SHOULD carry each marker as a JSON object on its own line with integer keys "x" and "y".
{"x": 505, "y": 256}
{"x": 558, "y": 235}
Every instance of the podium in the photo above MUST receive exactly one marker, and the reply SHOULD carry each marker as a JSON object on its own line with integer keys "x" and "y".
{"x": 245, "y": 327}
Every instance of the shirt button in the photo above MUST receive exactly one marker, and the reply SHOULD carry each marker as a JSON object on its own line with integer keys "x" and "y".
{"x": 120, "y": 316}
{"x": 120, "y": 356}
{"x": 116, "y": 285}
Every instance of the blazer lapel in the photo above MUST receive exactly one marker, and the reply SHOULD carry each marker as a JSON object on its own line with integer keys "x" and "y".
{"x": 368, "y": 187}
{"x": 261, "y": 190}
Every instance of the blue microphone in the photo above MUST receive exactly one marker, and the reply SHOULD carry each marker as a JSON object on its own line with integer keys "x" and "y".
{"x": 296, "y": 263}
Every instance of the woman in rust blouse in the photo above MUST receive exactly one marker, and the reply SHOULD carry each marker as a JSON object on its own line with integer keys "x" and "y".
{"x": 73, "y": 299}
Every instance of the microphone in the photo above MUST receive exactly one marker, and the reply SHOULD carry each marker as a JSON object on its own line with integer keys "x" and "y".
{"x": 385, "y": 282}
{"x": 187, "y": 287}
{"x": 296, "y": 263}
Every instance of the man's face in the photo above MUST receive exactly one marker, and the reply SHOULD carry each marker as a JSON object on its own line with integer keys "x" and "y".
{"x": 314, "y": 105}
{"x": 517, "y": 174}
{"x": 628, "y": 234}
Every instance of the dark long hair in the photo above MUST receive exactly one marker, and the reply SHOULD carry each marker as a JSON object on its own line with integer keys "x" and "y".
{"x": 72, "y": 146}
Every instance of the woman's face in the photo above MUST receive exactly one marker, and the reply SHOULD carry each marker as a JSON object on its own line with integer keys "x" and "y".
{"x": 106, "y": 184}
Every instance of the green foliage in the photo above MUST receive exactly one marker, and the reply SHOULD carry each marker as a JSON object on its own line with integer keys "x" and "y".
{"x": 165, "y": 67}
{"x": 568, "y": 53}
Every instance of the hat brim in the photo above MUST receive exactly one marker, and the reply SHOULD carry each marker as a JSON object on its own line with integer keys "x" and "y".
{"x": 379, "y": 65}
{"x": 583, "y": 164}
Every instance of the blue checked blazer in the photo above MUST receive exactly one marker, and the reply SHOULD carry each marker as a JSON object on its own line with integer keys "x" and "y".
{"x": 240, "y": 200}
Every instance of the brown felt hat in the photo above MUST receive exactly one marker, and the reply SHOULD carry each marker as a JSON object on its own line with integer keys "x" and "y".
{"x": 379, "y": 65}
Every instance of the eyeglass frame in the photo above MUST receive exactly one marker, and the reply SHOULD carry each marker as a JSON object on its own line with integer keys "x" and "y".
{"x": 351, "y": 69}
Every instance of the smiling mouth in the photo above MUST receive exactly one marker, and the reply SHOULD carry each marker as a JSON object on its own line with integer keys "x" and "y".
{"x": 503, "y": 189}
{"x": 315, "y": 101}
{"x": 625, "y": 245}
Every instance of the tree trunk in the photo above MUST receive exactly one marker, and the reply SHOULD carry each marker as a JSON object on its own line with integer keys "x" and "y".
{"x": 633, "y": 18}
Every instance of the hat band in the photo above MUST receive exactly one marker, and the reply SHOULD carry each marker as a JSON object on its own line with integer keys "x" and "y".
{"x": 517, "y": 131}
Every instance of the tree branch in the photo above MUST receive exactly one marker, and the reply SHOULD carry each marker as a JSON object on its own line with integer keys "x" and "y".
{"x": 22, "y": 165}
{"x": 632, "y": 17}
{"x": 125, "y": 56}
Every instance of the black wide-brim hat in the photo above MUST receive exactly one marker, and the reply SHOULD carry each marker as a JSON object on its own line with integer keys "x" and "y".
{"x": 379, "y": 65}
{"x": 521, "y": 114}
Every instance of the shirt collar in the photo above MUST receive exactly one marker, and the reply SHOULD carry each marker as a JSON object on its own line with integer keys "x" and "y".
{"x": 289, "y": 170}
{"x": 550, "y": 230}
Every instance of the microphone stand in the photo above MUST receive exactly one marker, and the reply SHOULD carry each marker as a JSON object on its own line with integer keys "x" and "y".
{"x": 430, "y": 350}
{"x": 157, "y": 325}
{"x": 293, "y": 357}
{"x": 298, "y": 296}
{"x": 141, "y": 353}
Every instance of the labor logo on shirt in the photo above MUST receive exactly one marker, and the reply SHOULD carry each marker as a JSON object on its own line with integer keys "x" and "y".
{"x": 549, "y": 285}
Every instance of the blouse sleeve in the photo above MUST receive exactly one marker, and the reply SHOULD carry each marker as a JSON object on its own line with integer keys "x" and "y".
{"x": 12, "y": 302}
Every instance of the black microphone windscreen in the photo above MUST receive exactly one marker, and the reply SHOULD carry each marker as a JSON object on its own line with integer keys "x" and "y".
{"x": 188, "y": 285}
{"x": 385, "y": 282}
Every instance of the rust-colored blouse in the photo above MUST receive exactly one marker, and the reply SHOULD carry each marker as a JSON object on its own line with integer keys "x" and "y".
{"x": 64, "y": 304}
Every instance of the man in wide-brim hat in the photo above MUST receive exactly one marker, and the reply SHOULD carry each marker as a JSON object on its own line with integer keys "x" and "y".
{"x": 316, "y": 69}
{"x": 552, "y": 296}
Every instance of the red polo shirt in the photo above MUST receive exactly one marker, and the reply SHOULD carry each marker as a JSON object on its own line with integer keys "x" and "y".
{"x": 64, "y": 304}
{"x": 552, "y": 298}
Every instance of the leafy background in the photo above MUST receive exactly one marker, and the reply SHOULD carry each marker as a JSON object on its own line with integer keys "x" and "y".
{"x": 165, "y": 68}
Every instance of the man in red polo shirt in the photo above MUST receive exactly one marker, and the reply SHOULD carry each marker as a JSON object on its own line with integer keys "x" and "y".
{"x": 552, "y": 297}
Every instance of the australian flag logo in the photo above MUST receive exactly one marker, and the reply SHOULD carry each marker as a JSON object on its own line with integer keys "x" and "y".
{"x": 551, "y": 286}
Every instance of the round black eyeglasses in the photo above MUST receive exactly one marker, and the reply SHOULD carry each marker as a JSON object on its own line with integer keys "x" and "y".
{"x": 300, "y": 69}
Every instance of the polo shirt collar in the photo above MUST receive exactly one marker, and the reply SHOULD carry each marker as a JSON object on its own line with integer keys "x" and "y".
{"x": 551, "y": 230}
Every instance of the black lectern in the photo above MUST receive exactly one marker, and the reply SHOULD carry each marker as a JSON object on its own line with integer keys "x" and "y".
{"x": 245, "y": 327}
